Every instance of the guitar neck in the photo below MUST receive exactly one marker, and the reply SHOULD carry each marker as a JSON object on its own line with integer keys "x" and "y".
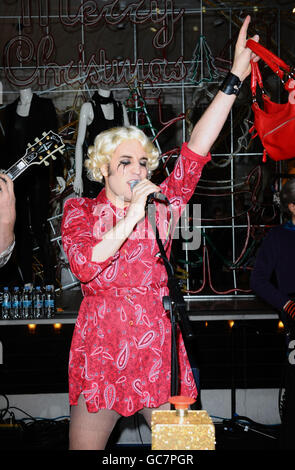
{"x": 17, "y": 169}
{"x": 37, "y": 154}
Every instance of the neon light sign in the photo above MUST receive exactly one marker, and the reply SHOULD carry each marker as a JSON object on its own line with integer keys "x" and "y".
{"x": 98, "y": 68}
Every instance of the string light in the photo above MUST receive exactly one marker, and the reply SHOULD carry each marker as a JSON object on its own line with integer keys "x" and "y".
{"x": 32, "y": 327}
{"x": 231, "y": 323}
{"x": 57, "y": 326}
{"x": 280, "y": 325}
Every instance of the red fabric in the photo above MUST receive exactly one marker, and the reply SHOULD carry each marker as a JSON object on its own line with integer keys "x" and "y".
{"x": 273, "y": 122}
{"x": 120, "y": 352}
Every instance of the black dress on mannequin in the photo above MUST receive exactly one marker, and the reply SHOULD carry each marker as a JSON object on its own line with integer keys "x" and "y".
{"x": 99, "y": 124}
{"x": 32, "y": 188}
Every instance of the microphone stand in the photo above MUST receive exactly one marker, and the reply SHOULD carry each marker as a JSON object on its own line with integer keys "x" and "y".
{"x": 175, "y": 304}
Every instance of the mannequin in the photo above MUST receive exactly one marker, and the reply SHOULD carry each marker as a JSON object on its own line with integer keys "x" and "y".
{"x": 25, "y": 119}
{"x": 24, "y": 103}
{"x": 23, "y": 110}
{"x": 95, "y": 116}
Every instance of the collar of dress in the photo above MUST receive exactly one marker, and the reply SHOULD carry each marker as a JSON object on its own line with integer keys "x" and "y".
{"x": 102, "y": 199}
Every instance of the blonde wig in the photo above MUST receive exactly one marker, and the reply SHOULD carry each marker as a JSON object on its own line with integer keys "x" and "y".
{"x": 106, "y": 143}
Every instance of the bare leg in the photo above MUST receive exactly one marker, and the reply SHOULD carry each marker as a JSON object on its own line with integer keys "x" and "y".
{"x": 147, "y": 412}
{"x": 90, "y": 431}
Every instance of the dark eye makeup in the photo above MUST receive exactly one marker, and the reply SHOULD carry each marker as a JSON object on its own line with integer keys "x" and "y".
{"x": 126, "y": 162}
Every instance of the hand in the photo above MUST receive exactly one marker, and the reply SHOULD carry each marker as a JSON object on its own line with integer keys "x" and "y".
{"x": 78, "y": 186}
{"x": 241, "y": 65}
{"x": 7, "y": 211}
{"x": 139, "y": 198}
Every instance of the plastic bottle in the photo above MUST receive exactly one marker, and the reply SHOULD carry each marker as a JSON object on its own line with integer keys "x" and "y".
{"x": 6, "y": 304}
{"x": 15, "y": 304}
{"x": 49, "y": 301}
{"x": 1, "y": 301}
{"x": 27, "y": 303}
{"x": 38, "y": 302}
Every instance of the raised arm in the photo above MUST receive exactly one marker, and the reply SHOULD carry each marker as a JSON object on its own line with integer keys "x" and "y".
{"x": 210, "y": 124}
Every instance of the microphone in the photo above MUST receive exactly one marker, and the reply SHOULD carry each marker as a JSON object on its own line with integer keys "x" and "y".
{"x": 151, "y": 197}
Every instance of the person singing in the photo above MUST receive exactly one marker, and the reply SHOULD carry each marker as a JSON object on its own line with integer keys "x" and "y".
{"x": 120, "y": 353}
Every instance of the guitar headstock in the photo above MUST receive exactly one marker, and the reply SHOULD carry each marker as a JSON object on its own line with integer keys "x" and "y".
{"x": 43, "y": 149}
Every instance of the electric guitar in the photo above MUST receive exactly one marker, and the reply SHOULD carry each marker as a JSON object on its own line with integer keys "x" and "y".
{"x": 37, "y": 154}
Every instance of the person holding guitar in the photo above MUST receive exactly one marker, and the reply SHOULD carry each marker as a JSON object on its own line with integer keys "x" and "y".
{"x": 7, "y": 218}
{"x": 277, "y": 256}
{"x": 25, "y": 119}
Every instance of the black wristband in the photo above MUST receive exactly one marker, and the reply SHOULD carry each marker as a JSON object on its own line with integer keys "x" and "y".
{"x": 231, "y": 85}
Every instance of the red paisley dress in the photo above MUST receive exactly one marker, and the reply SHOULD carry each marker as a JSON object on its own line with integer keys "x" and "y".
{"x": 120, "y": 351}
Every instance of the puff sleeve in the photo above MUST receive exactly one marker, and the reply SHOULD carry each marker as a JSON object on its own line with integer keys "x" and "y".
{"x": 78, "y": 239}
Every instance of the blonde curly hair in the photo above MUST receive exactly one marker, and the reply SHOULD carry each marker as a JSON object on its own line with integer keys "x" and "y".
{"x": 106, "y": 143}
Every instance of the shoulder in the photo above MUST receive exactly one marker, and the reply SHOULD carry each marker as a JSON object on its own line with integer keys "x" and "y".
{"x": 276, "y": 235}
{"x": 83, "y": 204}
{"x": 10, "y": 108}
{"x": 86, "y": 105}
{"x": 272, "y": 233}
{"x": 280, "y": 231}
{"x": 77, "y": 212}
{"x": 42, "y": 100}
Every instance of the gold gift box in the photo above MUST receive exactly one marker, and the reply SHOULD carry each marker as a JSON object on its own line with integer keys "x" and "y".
{"x": 182, "y": 429}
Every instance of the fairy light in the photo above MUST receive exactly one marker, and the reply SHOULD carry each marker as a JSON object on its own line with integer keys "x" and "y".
{"x": 57, "y": 326}
{"x": 280, "y": 325}
{"x": 231, "y": 323}
{"x": 32, "y": 327}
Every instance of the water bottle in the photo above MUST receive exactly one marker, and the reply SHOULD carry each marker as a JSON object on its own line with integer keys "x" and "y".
{"x": 6, "y": 304}
{"x": 38, "y": 302}
{"x": 1, "y": 301}
{"x": 49, "y": 301}
{"x": 15, "y": 304}
{"x": 27, "y": 304}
